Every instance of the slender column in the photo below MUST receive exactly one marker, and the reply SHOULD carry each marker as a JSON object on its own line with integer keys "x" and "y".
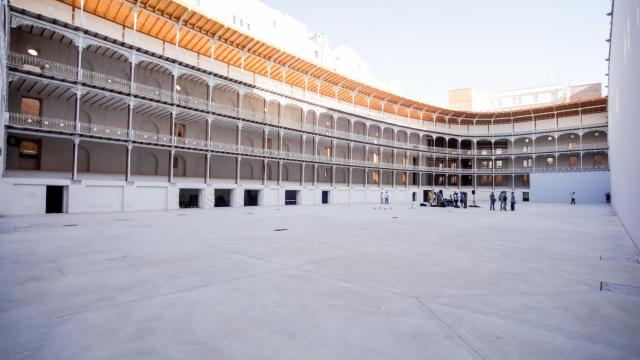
{"x": 77, "y": 109}
{"x": 240, "y": 96}
{"x": 209, "y": 120}
{"x": 172, "y": 153}
{"x": 209, "y": 93}
{"x": 132, "y": 73}
{"x": 366, "y": 174}
{"x": 127, "y": 176}
{"x": 130, "y": 119}
{"x": 393, "y": 183}
{"x": 333, "y": 175}
{"x": 279, "y": 172}
{"x": 207, "y": 167}
{"x": 238, "y": 136}
{"x": 74, "y": 171}
{"x": 238, "y": 159}
{"x": 350, "y": 176}
{"x": 174, "y": 82}
{"x": 79, "y": 58}
{"x": 302, "y": 165}
{"x": 315, "y": 175}
{"x": 265, "y": 167}
{"x": 172, "y": 129}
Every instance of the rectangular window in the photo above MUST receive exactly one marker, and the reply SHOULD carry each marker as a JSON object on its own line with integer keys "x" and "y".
{"x": 180, "y": 130}
{"x": 573, "y": 145}
{"x": 498, "y": 164}
{"x": 549, "y": 161}
{"x": 375, "y": 177}
{"x": 573, "y": 161}
{"x": 269, "y": 144}
{"x": 499, "y": 151}
{"x": 598, "y": 160}
{"x": 29, "y": 149}
{"x": 31, "y": 107}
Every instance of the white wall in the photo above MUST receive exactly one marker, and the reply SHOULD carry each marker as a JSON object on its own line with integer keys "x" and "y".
{"x": 624, "y": 113}
{"x": 590, "y": 186}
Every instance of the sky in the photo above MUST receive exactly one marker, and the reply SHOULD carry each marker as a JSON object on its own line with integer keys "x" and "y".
{"x": 431, "y": 46}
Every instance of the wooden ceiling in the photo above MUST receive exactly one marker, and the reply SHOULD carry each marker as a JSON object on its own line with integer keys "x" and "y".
{"x": 161, "y": 18}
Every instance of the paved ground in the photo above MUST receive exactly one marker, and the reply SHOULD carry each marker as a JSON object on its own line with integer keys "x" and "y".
{"x": 342, "y": 282}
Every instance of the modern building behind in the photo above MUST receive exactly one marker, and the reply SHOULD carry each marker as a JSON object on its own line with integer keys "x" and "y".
{"x": 624, "y": 112}
{"x": 115, "y": 105}
{"x": 467, "y": 100}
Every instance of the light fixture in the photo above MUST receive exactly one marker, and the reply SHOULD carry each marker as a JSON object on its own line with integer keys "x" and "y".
{"x": 596, "y": 134}
{"x": 178, "y": 87}
{"x": 526, "y": 140}
{"x": 33, "y": 52}
{"x": 549, "y": 138}
{"x": 573, "y": 136}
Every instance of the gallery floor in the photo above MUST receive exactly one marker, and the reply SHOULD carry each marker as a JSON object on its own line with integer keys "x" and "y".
{"x": 333, "y": 282}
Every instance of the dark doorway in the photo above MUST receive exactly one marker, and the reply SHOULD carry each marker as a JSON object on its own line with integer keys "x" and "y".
{"x": 291, "y": 197}
{"x": 425, "y": 195}
{"x": 55, "y": 200}
{"x": 414, "y": 196}
{"x": 251, "y": 197}
{"x": 325, "y": 196}
{"x": 525, "y": 196}
{"x": 189, "y": 198}
{"x": 222, "y": 197}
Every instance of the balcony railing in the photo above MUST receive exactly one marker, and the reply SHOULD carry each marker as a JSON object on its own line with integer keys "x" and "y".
{"x": 41, "y": 123}
{"x": 41, "y": 66}
{"x": 152, "y": 92}
{"x": 149, "y": 137}
{"x": 103, "y": 131}
{"x": 106, "y": 81}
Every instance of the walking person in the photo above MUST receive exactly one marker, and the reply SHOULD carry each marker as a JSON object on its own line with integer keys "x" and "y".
{"x": 513, "y": 201}
{"x": 386, "y": 198}
{"x": 502, "y": 203}
{"x": 573, "y": 197}
{"x": 492, "y": 202}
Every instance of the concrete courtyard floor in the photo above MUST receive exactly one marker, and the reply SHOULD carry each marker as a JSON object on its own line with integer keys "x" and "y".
{"x": 341, "y": 282}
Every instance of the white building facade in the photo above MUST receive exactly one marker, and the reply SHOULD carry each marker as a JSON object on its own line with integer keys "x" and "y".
{"x": 99, "y": 115}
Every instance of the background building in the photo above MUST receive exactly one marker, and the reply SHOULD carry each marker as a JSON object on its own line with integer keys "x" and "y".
{"x": 466, "y": 99}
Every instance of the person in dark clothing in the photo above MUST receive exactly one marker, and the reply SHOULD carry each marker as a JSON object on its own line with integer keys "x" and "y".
{"x": 607, "y": 197}
{"x": 573, "y": 197}
{"x": 513, "y": 201}
{"x": 492, "y": 201}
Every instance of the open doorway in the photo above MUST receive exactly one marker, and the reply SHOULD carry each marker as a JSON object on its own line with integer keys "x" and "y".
{"x": 251, "y": 197}
{"x": 291, "y": 197}
{"x": 54, "y": 200}
{"x": 189, "y": 198}
{"x": 325, "y": 196}
{"x": 426, "y": 194}
{"x": 222, "y": 197}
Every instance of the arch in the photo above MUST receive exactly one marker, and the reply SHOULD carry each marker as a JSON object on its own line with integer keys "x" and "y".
{"x": 292, "y": 114}
{"x": 225, "y": 95}
{"x": 149, "y": 127}
{"x": 594, "y": 137}
{"x": 85, "y": 117}
{"x": 375, "y": 131}
{"x": 401, "y": 136}
{"x": 147, "y": 163}
{"x": 246, "y": 170}
{"x": 358, "y": 127}
{"x": 179, "y": 165}
{"x": 440, "y": 141}
{"x": 545, "y": 142}
{"x": 569, "y": 140}
{"x": 326, "y": 120}
{"x": 427, "y": 140}
{"x": 452, "y": 143}
{"x": 84, "y": 159}
{"x": 246, "y": 142}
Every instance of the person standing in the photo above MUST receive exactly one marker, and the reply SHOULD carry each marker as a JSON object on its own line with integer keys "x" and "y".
{"x": 386, "y": 198}
{"x": 573, "y": 197}
{"x": 513, "y": 201}
{"x": 492, "y": 202}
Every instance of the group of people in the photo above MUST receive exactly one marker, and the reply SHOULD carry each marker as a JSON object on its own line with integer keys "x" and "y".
{"x": 503, "y": 198}
{"x": 456, "y": 200}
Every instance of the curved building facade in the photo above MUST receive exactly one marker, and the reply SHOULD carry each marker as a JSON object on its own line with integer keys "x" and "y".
{"x": 118, "y": 105}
